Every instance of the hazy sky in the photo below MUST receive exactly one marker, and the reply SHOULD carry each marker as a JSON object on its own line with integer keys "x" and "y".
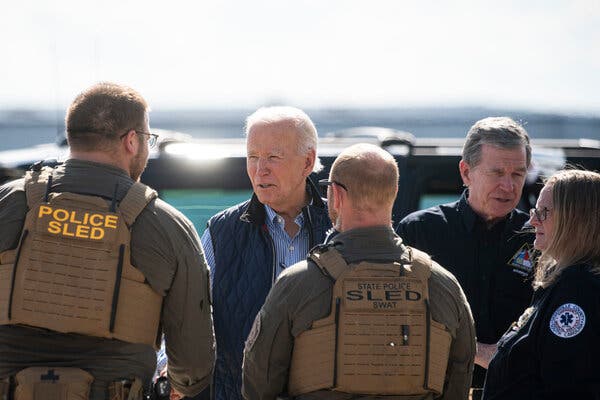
{"x": 534, "y": 54}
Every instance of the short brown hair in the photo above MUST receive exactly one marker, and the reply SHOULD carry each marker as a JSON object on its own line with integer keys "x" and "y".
{"x": 101, "y": 113}
{"x": 370, "y": 175}
{"x": 576, "y": 204}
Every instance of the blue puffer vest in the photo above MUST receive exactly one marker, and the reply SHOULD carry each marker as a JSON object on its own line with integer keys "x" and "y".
{"x": 242, "y": 279}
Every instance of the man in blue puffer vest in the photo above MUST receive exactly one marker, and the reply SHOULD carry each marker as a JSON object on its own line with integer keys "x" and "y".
{"x": 249, "y": 244}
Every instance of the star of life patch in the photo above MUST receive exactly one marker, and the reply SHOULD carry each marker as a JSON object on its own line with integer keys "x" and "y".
{"x": 567, "y": 321}
{"x": 523, "y": 259}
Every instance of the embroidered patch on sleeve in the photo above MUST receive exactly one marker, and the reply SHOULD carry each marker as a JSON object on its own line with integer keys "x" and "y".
{"x": 567, "y": 321}
{"x": 254, "y": 332}
{"x": 522, "y": 261}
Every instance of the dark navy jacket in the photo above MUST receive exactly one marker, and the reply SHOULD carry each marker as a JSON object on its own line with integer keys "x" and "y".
{"x": 243, "y": 275}
{"x": 493, "y": 266}
{"x": 553, "y": 352}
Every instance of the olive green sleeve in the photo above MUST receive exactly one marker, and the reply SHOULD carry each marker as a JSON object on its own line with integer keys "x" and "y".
{"x": 188, "y": 327}
{"x": 462, "y": 353}
{"x": 301, "y": 295}
{"x": 167, "y": 248}
{"x": 13, "y": 208}
{"x": 268, "y": 350}
{"x": 188, "y": 324}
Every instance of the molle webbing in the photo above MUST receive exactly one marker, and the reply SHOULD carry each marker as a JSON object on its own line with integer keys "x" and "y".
{"x": 36, "y": 185}
{"x": 375, "y": 340}
{"x": 43, "y": 383}
{"x": 72, "y": 271}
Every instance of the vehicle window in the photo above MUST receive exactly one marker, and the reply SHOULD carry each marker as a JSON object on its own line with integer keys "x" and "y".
{"x": 201, "y": 204}
{"x": 429, "y": 200}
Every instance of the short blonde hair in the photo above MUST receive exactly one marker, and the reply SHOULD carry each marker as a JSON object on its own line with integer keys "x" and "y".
{"x": 576, "y": 236}
{"x": 370, "y": 175}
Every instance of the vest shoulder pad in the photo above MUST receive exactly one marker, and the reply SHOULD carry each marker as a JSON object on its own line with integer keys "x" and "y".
{"x": 420, "y": 263}
{"x": 328, "y": 259}
{"x": 36, "y": 184}
{"x": 137, "y": 198}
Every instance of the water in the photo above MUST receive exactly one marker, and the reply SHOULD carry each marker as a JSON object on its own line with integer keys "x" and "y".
{"x": 23, "y": 128}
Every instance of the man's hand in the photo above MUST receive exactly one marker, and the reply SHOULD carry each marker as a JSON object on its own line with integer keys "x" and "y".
{"x": 485, "y": 352}
{"x": 175, "y": 395}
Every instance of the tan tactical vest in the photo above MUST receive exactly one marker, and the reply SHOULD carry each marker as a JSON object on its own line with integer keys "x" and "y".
{"x": 71, "y": 271}
{"x": 379, "y": 338}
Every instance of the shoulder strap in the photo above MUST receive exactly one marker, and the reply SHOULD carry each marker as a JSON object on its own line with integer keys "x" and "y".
{"x": 36, "y": 185}
{"x": 420, "y": 263}
{"x": 136, "y": 199}
{"x": 329, "y": 260}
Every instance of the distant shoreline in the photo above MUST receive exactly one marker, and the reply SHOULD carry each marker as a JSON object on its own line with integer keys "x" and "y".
{"x": 24, "y": 128}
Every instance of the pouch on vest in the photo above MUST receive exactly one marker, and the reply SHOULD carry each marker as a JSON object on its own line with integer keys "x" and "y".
{"x": 126, "y": 390}
{"x": 379, "y": 338}
{"x": 42, "y": 383}
{"x": 72, "y": 273}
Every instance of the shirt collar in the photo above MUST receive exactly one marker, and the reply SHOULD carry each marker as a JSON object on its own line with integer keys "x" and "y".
{"x": 471, "y": 219}
{"x": 255, "y": 212}
{"x": 273, "y": 219}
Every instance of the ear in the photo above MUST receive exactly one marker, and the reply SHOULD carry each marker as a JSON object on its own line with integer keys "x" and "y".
{"x": 465, "y": 172}
{"x": 339, "y": 196}
{"x": 309, "y": 162}
{"x": 130, "y": 142}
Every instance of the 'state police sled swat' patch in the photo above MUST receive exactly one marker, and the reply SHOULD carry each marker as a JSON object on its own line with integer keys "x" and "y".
{"x": 567, "y": 321}
{"x": 522, "y": 260}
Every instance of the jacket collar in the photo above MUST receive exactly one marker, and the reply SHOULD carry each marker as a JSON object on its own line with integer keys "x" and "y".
{"x": 375, "y": 243}
{"x": 471, "y": 220}
{"x": 467, "y": 214}
{"x": 255, "y": 211}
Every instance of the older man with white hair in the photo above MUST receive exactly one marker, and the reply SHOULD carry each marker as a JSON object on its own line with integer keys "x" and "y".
{"x": 249, "y": 244}
{"x": 364, "y": 316}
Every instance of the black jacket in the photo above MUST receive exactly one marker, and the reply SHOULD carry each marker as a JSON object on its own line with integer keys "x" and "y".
{"x": 491, "y": 265}
{"x": 555, "y": 353}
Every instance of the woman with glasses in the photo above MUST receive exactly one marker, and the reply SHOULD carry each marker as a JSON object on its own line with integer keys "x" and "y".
{"x": 553, "y": 350}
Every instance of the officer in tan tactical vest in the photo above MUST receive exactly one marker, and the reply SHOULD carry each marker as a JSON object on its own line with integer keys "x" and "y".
{"x": 94, "y": 268}
{"x": 365, "y": 316}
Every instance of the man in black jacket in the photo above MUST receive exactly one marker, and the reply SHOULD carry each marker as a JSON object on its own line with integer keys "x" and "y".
{"x": 478, "y": 238}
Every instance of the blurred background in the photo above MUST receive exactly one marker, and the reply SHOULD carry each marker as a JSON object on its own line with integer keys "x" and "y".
{"x": 428, "y": 67}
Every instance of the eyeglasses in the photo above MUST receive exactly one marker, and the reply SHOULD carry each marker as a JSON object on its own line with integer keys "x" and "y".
{"x": 540, "y": 215}
{"x": 326, "y": 183}
{"x": 152, "y": 137}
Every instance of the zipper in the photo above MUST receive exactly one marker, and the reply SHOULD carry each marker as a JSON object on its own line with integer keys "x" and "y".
{"x": 308, "y": 224}
{"x": 273, "y": 255}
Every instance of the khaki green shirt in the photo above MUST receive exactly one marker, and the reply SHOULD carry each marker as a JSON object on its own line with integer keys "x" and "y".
{"x": 302, "y": 294}
{"x": 166, "y": 249}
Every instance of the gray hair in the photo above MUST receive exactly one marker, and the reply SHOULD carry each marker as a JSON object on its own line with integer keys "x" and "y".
{"x": 501, "y": 132}
{"x": 307, "y": 133}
